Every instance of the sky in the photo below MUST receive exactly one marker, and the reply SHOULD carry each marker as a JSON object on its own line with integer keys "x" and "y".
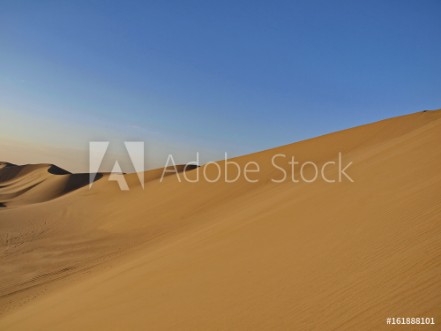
{"x": 207, "y": 76}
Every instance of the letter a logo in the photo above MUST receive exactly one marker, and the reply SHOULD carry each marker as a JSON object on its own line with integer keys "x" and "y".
{"x": 135, "y": 150}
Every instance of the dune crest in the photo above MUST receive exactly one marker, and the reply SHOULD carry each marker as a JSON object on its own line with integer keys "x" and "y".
{"x": 232, "y": 256}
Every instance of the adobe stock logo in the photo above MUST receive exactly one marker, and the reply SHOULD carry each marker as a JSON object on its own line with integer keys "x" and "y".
{"x": 135, "y": 151}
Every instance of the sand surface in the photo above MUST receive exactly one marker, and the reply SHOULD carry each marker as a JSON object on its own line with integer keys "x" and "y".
{"x": 232, "y": 256}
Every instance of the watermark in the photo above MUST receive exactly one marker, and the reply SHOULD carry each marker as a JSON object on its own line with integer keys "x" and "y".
{"x": 410, "y": 321}
{"x": 287, "y": 168}
{"x": 283, "y": 168}
{"x": 135, "y": 151}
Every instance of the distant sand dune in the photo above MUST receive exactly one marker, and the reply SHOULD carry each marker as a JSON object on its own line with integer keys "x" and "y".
{"x": 33, "y": 183}
{"x": 37, "y": 183}
{"x": 231, "y": 256}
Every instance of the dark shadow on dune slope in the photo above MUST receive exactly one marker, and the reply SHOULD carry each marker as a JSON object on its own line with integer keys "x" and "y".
{"x": 190, "y": 166}
{"x": 7, "y": 164}
{"x": 9, "y": 172}
{"x": 53, "y": 169}
{"x": 2, "y": 205}
{"x": 76, "y": 181}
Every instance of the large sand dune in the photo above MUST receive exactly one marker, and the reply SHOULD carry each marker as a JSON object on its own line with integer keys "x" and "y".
{"x": 232, "y": 256}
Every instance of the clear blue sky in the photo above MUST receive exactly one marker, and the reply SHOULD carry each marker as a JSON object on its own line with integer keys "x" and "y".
{"x": 236, "y": 76}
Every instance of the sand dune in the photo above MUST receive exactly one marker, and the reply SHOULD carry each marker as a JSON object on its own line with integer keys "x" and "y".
{"x": 21, "y": 185}
{"x": 232, "y": 256}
